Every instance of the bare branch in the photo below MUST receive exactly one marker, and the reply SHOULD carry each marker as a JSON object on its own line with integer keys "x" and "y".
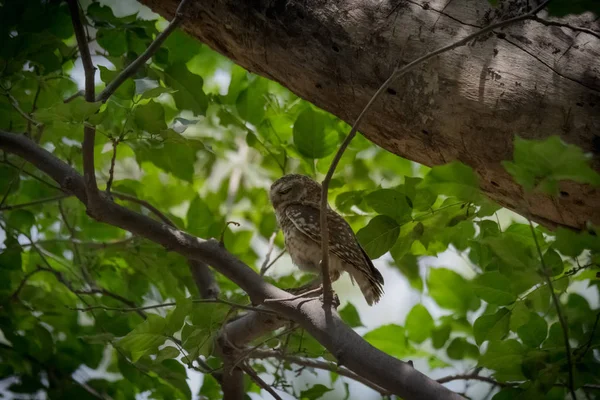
{"x": 145, "y": 56}
{"x": 111, "y": 171}
{"x": 265, "y": 263}
{"x": 15, "y": 105}
{"x": 563, "y": 25}
{"x": 89, "y": 133}
{"x": 264, "y": 271}
{"x": 84, "y": 50}
{"x": 561, "y": 318}
{"x": 146, "y": 205}
{"x": 74, "y": 96}
{"x": 258, "y": 380}
{"x": 350, "y": 349}
{"x": 325, "y": 365}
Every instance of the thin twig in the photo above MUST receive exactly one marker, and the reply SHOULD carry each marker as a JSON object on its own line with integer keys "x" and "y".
{"x": 74, "y": 96}
{"x": 111, "y": 171}
{"x": 563, "y": 25}
{"x": 34, "y": 203}
{"x": 561, "y": 317}
{"x": 37, "y": 178}
{"x": 89, "y": 244}
{"x": 398, "y": 72}
{"x": 257, "y": 379}
{"x": 145, "y": 56}
{"x": 265, "y": 263}
{"x": 325, "y": 365}
{"x": 172, "y": 304}
{"x": 587, "y": 346}
{"x": 312, "y": 291}
{"x": 15, "y": 294}
{"x": 71, "y": 230}
{"x": 115, "y": 296}
{"x": 281, "y": 253}
{"x": 15, "y": 105}
{"x": 146, "y": 205}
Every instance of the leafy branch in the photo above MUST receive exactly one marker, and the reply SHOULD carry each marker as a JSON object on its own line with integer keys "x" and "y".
{"x": 382, "y": 369}
{"x": 397, "y": 73}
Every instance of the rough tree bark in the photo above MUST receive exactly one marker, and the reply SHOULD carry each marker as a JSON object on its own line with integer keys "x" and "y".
{"x": 529, "y": 79}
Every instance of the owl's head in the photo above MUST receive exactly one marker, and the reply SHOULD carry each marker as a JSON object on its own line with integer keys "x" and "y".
{"x": 294, "y": 187}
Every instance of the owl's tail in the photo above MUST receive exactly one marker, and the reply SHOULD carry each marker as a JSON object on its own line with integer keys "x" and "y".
{"x": 369, "y": 281}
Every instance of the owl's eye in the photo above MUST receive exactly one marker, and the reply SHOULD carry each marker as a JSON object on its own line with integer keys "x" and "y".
{"x": 285, "y": 190}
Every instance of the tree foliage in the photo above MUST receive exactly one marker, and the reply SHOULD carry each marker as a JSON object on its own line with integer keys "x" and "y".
{"x": 201, "y": 139}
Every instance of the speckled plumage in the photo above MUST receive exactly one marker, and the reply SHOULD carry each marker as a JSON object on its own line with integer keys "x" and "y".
{"x": 296, "y": 200}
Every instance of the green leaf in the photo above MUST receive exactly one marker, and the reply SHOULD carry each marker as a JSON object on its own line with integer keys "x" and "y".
{"x": 150, "y": 117}
{"x": 419, "y": 324}
{"x": 9, "y": 179}
{"x": 251, "y": 102}
{"x": 504, "y": 357}
{"x": 440, "y": 336}
{"x": 313, "y": 135}
{"x": 451, "y": 291}
{"x": 491, "y": 327}
{"x": 181, "y": 46}
{"x": 127, "y": 88}
{"x": 199, "y": 218}
{"x": 76, "y": 111}
{"x": 166, "y": 353}
{"x": 189, "y": 94}
{"x": 112, "y": 40}
{"x": 453, "y": 179}
{"x": 553, "y": 262}
{"x": 460, "y": 349}
{"x": 155, "y": 92}
{"x": 390, "y": 339}
{"x": 534, "y": 332}
{"x": 145, "y": 338}
{"x": 21, "y": 219}
{"x": 409, "y": 267}
{"x": 378, "y": 237}
{"x": 315, "y": 392}
{"x": 390, "y": 202}
{"x": 350, "y": 315}
{"x": 541, "y": 164}
{"x": 494, "y": 288}
{"x": 519, "y": 316}
{"x": 176, "y": 317}
{"x": 176, "y": 158}
{"x": 210, "y": 388}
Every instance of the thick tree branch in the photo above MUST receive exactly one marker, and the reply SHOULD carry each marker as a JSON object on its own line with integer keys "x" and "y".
{"x": 347, "y": 346}
{"x": 397, "y": 73}
{"x": 145, "y": 56}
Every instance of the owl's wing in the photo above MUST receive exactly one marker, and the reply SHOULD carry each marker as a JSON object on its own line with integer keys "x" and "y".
{"x": 342, "y": 242}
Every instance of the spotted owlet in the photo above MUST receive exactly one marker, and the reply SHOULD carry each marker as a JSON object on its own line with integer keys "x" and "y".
{"x": 296, "y": 200}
